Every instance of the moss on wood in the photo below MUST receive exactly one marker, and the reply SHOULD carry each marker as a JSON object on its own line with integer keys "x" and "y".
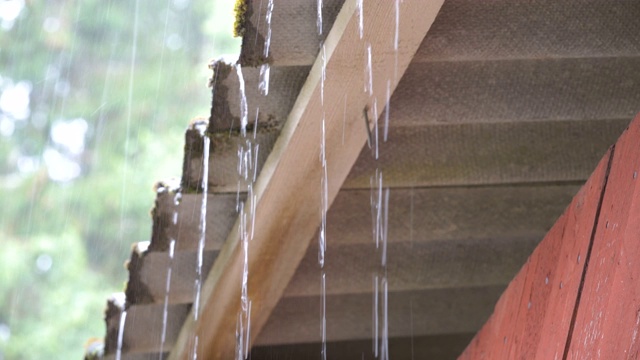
{"x": 240, "y": 10}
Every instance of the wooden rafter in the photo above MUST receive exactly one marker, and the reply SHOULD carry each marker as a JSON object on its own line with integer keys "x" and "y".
{"x": 288, "y": 188}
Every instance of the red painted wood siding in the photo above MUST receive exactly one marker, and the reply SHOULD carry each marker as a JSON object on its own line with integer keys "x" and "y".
{"x": 578, "y": 295}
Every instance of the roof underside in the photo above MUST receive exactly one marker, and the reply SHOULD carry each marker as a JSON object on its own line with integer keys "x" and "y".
{"x": 502, "y": 114}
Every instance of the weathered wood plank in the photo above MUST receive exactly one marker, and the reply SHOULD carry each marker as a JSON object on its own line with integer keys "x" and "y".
{"x": 608, "y": 316}
{"x": 292, "y": 173}
{"x": 471, "y": 30}
{"x": 223, "y": 163}
{"x": 294, "y": 37}
{"x": 413, "y": 266}
{"x": 271, "y": 111}
{"x": 542, "y": 29}
{"x": 466, "y": 93}
{"x": 415, "y": 215}
{"x": 349, "y": 317}
{"x": 150, "y": 272}
{"x": 518, "y": 90}
{"x": 499, "y": 153}
{"x": 176, "y": 216}
{"x": 454, "y": 213}
{"x": 440, "y": 347}
{"x": 424, "y": 226}
{"x": 533, "y": 316}
{"x": 143, "y": 326}
{"x": 459, "y": 154}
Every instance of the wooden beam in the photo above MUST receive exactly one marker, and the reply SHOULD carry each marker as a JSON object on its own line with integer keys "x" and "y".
{"x": 143, "y": 328}
{"x": 288, "y": 188}
{"x": 462, "y": 154}
{"x": 608, "y": 312}
{"x": 463, "y": 262}
{"x": 532, "y": 318}
{"x": 349, "y": 317}
{"x": 459, "y": 92}
{"x": 414, "y": 347}
{"x": 293, "y": 24}
{"x": 415, "y": 215}
{"x": 483, "y": 154}
{"x": 285, "y": 83}
{"x": 545, "y": 29}
{"x": 469, "y": 30}
{"x": 497, "y": 222}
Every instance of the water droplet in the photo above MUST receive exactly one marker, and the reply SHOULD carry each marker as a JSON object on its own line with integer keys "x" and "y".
{"x": 360, "y": 18}
{"x": 319, "y": 18}
{"x": 5, "y": 332}
{"x": 44, "y": 262}
{"x": 368, "y": 85}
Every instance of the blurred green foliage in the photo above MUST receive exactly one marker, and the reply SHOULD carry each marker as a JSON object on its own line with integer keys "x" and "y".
{"x": 63, "y": 240}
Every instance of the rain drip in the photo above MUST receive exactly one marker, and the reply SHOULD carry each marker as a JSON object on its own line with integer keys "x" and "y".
{"x": 203, "y": 224}
{"x": 172, "y": 247}
{"x": 323, "y": 351}
{"x": 243, "y": 102}
{"x": 368, "y": 85}
{"x": 265, "y": 68}
{"x": 395, "y": 40}
{"x": 375, "y": 315}
{"x": 123, "y": 317}
{"x": 360, "y": 18}
{"x": 384, "y": 343}
{"x": 324, "y": 196}
{"x": 379, "y": 222}
{"x": 385, "y": 134}
{"x": 319, "y": 18}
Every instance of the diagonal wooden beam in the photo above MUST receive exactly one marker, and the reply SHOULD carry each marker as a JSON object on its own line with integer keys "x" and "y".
{"x": 288, "y": 188}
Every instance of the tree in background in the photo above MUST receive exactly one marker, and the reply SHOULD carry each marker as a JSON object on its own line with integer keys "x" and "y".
{"x": 94, "y": 99}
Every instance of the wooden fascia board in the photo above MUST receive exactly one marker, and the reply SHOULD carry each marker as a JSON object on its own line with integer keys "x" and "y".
{"x": 288, "y": 187}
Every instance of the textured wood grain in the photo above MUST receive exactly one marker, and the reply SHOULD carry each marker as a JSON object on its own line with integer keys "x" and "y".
{"x": 499, "y": 153}
{"x": 472, "y": 30}
{"x": 533, "y": 316}
{"x": 608, "y": 314}
{"x": 439, "y": 347}
{"x": 436, "y": 311}
{"x": 432, "y": 243}
{"x": 435, "y": 93}
{"x": 498, "y": 30}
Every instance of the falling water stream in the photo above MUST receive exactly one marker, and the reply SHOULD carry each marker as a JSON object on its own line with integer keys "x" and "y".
{"x": 203, "y": 230}
{"x": 324, "y": 195}
{"x": 203, "y": 222}
{"x": 163, "y": 336}
{"x": 265, "y": 68}
{"x": 123, "y": 318}
{"x": 248, "y": 153}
